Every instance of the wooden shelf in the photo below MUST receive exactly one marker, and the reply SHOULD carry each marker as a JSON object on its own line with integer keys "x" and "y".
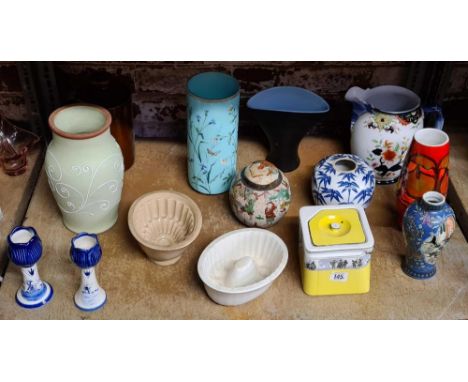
{"x": 458, "y": 167}
{"x": 15, "y": 193}
{"x": 139, "y": 289}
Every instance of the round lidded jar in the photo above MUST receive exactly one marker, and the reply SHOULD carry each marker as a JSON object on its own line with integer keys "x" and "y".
{"x": 343, "y": 179}
{"x": 260, "y": 194}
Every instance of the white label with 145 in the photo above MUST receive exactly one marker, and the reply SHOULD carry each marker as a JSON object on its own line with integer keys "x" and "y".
{"x": 339, "y": 276}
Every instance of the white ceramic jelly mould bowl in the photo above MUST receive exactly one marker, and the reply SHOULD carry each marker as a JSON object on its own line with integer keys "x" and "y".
{"x": 266, "y": 249}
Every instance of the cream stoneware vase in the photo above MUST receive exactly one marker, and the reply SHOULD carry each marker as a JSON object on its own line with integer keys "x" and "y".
{"x": 84, "y": 166}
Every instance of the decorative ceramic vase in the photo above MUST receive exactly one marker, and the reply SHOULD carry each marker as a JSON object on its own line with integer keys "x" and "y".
{"x": 25, "y": 250}
{"x": 85, "y": 168}
{"x": 212, "y": 123}
{"x": 286, "y": 114}
{"x": 260, "y": 195}
{"x": 428, "y": 224}
{"x": 426, "y": 168}
{"x": 383, "y": 124}
{"x": 343, "y": 179}
{"x": 86, "y": 253}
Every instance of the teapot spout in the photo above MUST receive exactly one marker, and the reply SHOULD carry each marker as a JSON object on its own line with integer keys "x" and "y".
{"x": 356, "y": 94}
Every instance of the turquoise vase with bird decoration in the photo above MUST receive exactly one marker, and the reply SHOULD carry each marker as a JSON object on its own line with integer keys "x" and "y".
{"x": 212, "y": 130}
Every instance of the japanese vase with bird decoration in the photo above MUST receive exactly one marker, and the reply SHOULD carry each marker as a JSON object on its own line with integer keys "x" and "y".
{"x": 428, "y": 224}
{"x": 383, "y": 123}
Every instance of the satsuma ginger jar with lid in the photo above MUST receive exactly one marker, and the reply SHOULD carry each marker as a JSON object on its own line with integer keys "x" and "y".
{"x": 260, "y": 195}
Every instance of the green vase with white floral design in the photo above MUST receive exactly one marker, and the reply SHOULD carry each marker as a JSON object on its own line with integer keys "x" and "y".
{"x": 384, "y": 121}
{"x": 212, "y": 123}
{"x": 84, "y": 167}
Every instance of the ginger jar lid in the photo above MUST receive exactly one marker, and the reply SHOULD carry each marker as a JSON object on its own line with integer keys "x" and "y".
{"x": 262, "y": 175}
{"x": 335, "y": 228}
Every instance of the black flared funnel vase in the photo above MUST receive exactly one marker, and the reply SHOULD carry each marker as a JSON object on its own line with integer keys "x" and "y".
{"x": 286, "y": 114}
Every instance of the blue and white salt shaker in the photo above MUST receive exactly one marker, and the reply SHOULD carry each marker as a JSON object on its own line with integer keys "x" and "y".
{"x": 86, "y": 252}
{"x": 25, "y": 250}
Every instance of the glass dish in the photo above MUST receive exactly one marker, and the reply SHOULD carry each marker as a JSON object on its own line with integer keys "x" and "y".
{"x": 15, "y": 143}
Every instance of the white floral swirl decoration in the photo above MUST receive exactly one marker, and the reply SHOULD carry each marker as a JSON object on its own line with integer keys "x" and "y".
{"x": 97, "y": 197}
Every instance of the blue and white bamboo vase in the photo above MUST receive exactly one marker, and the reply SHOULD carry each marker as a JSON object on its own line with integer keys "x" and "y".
{"x": 343, "y": 179}
{"x": 86, "y": 252}
{"x": 212, "y": 129}
{"x": 25, "y": 250}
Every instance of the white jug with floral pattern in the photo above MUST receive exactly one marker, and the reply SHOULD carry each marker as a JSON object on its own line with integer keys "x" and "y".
{"x": 384, "y": 121}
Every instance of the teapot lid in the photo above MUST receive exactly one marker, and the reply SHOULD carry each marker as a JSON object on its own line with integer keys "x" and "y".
{"x": 262, "y": 175}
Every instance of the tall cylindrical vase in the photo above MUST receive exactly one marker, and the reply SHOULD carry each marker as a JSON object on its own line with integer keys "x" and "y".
{"x": 84, "y": 166}
{"x": 212, "y": 125}
{"x": 426, "y": 168}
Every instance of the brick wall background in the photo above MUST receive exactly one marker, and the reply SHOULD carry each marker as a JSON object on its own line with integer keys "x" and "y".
{"x": 159, "y": 87}
{"x": 12, "y": 102}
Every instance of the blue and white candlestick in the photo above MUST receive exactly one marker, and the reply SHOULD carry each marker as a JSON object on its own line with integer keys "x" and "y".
{"x": 25, "y": 250}
{"x": 86, "y": 252}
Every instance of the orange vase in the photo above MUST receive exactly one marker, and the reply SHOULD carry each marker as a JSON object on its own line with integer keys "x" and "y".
{"x": 426, "y": 168}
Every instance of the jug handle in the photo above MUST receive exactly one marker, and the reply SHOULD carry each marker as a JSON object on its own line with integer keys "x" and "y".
{"x": 356, "y": 96}
{"x": 439, "y": 122}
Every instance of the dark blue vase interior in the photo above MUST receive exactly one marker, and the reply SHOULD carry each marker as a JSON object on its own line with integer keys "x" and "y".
{"x": 286, "y": 113}
{"x": 213, "y": 85}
